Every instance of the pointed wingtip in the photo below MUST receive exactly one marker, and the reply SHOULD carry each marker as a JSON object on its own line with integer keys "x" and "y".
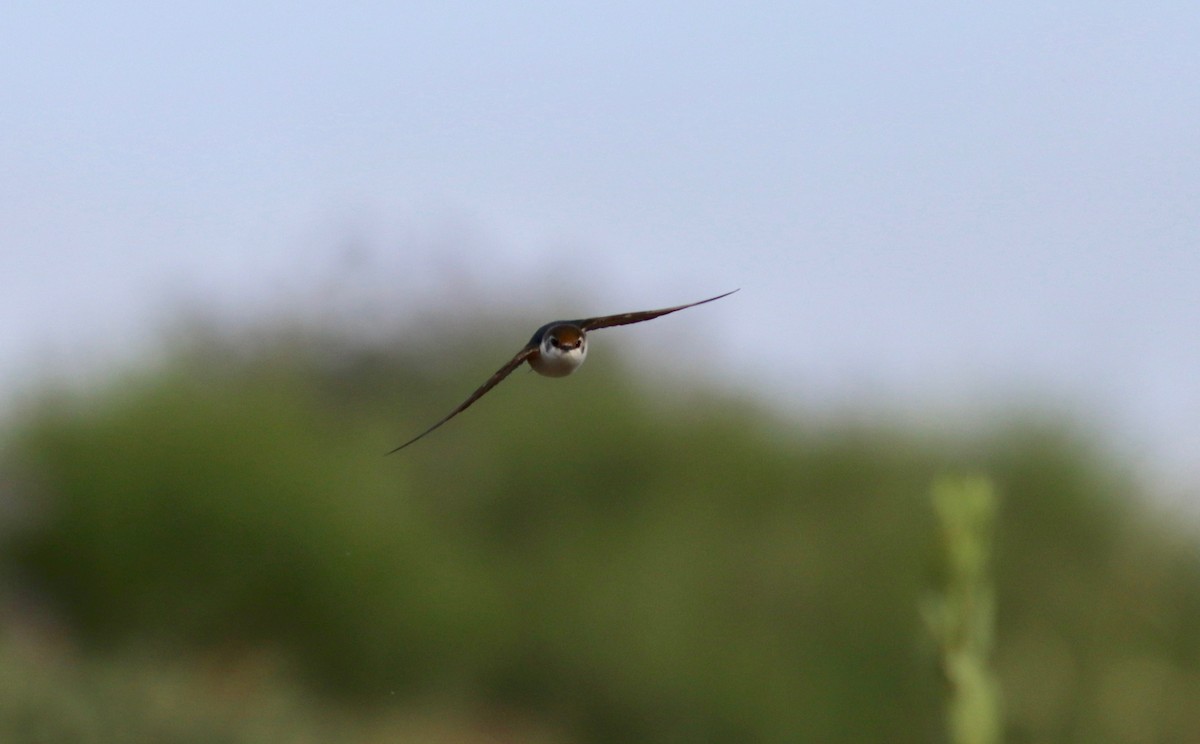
{"x": 394, "y": 451}
{"x": 411, "y": 441}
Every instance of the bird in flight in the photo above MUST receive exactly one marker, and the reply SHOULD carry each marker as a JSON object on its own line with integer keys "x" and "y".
{"x": 556, "y": 350}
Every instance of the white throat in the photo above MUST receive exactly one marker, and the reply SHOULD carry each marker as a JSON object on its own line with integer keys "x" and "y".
{"x": 553, "y": 361}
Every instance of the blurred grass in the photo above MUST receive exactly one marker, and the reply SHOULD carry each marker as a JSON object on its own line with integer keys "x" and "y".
{"x": 606, "y": 563}
{"x": 47, "y": 697}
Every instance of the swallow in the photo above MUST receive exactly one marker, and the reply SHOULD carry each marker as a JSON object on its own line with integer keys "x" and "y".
{"x": 556, "y": 350}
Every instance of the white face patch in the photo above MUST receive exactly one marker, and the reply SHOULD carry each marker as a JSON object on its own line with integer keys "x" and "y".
{"x": 556, "y": 361}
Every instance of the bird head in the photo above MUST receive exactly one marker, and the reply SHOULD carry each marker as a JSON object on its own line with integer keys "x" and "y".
{"x": 562, "y": 349}
{"x": 563, "y": 340}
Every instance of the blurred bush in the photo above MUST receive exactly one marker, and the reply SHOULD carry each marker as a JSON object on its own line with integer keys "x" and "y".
{"x": 613, "y": 562}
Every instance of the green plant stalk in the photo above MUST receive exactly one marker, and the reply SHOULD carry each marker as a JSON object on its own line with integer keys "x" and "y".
{"x": 961, "y": 617}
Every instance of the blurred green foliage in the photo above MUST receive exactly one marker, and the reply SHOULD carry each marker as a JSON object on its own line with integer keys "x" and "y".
{"x": 614, "y": 563}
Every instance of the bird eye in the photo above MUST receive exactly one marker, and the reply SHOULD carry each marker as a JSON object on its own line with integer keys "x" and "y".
{"x": 554, "y": 342}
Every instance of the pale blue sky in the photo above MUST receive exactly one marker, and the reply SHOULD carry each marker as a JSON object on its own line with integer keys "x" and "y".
{"x": 928, "y": 206}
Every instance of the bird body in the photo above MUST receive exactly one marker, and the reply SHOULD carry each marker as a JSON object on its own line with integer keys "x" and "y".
{"x": 557, "y": 349}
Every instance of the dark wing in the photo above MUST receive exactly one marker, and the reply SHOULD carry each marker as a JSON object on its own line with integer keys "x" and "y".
{"x": 608, "y": 321}
{"x": 492, "y": 382}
